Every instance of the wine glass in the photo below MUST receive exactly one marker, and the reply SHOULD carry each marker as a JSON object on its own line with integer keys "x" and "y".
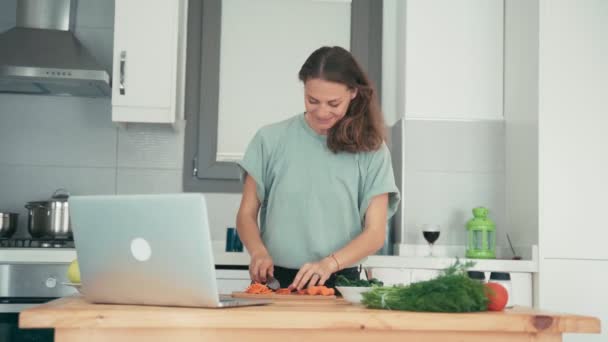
{"x": 431, "y": 234}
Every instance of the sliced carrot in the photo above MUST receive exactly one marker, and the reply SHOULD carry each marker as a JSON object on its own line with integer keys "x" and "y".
{"x": 257, "y": 288}
{"x": 327, "y": 291}
{"x": 284, "y": 291}
{"x": 314, "y": 290}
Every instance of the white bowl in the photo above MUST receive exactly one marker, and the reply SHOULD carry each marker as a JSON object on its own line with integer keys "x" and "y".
{"x": 353, "y": 293}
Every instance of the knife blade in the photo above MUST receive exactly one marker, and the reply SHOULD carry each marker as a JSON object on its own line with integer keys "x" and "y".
{"x": 271, "y": 283}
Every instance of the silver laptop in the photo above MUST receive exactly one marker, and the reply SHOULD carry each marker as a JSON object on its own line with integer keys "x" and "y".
{"x": 147, "y": 250}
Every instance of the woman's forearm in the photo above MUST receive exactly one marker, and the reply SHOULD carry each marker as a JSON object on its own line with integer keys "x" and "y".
{"x": 367, "y": 243}
{"x": 371, "y": 239}
{"x": 249, "y": 233}
{"x": 247, "y": 219}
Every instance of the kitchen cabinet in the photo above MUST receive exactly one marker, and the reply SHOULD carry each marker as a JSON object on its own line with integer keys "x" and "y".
{"x": 573, "y": 162}
{"x": 577, "y": 286}
{"x": 149, "y": 61}
{"x": 229, "y": 281}
{"x": 392, "y": 276}
{"x": 453, "y": 59}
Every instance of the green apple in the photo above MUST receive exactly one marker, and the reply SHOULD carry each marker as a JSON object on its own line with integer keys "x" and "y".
{"x": 74, "y": 272}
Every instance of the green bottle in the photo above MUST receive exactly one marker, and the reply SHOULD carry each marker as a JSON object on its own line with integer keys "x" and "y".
{"x": 481, "y": 235}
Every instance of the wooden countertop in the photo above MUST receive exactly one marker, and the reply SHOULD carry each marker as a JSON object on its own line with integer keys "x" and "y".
{"x": 75, "y": 313}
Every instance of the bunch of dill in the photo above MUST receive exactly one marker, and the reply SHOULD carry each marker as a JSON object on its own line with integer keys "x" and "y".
{"x": 452, "y": 291}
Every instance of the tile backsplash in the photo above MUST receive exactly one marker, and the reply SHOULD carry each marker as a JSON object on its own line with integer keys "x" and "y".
{"x": 66, "y": 142}
{"x": 450, "y": 168}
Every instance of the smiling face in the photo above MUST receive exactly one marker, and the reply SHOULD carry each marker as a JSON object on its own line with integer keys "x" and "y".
{"x": 326, "y": 103}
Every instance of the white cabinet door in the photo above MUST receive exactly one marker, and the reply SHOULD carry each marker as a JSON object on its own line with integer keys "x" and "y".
{"x": 227, "y": 286}
{"x": 578, "y": 287}
{"x": 392, "y": 276}
{"x": 147, "y": 34}
{"x": 229, "y": 281}
{"x": 522, "y": 291}
{"x": 573, "y": 162}
{"x": 453, "y": 59}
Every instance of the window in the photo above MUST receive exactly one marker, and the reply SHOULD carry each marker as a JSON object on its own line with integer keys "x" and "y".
{"x": 202, "y": 170}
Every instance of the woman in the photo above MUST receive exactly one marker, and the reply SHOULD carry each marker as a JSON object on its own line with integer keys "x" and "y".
{"x": 321, "y": 181}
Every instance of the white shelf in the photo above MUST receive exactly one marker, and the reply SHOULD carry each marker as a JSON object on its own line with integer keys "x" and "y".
{"x": 412, "y": 257}
{"x": 431, "y": 263}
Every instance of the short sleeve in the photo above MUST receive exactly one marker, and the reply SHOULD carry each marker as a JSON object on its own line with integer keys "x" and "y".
{"x": 254, "y": 163}
{"x": 378, "y": 178}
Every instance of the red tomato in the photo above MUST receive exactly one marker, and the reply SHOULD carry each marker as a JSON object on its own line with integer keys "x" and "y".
{"x": 497, "y": 296}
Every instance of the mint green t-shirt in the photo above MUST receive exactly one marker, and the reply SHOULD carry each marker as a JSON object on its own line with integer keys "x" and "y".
{"x": 313, "y": 201}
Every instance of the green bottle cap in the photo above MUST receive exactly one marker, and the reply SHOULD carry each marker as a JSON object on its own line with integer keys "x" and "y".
{"x": 480, "y": 221}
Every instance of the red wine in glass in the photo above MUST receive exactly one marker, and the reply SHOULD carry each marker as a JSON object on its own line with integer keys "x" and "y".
{"x": 430, "y": 236}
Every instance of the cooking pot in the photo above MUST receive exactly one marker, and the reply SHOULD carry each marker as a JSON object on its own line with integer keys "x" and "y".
{"x": 8, "y": 224}
{"x": 50, "y": 219}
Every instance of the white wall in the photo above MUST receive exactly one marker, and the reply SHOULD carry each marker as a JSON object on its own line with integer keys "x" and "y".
{"x": 521, "y": 120}
{"x": 452, "y": 167}
{"x": 453, "y": 61}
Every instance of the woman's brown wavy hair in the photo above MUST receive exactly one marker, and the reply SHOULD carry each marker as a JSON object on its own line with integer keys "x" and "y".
{"x": 362, "y": 127}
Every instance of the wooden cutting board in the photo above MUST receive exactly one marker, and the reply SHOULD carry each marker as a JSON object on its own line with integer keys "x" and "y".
{"x": 281, "y": 297}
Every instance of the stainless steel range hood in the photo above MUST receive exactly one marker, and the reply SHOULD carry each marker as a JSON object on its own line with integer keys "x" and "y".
{"x": 42, "y": 56}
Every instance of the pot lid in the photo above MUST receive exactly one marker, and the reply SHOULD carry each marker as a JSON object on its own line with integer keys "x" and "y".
{"x": 60, "y": 195}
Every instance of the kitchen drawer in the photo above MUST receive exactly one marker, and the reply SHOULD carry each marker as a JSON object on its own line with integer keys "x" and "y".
{"x": 392, "y": 276}
{"x": 229, "y": 281}
{"x": 227, "y": 286}
{"x": 232, "y": 274}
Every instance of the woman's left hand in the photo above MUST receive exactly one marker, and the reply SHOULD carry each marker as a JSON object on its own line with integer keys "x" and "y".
{"x": 314, "y": 273}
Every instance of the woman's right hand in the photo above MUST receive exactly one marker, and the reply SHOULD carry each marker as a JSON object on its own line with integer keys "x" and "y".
{"x": 261, "y": 267}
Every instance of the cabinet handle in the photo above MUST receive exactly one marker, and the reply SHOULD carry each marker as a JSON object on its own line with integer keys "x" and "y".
{"x": 123, "y": 61}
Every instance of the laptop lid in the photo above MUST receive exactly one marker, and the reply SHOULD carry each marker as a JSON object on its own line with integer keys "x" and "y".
{"x": 145, "y": 249}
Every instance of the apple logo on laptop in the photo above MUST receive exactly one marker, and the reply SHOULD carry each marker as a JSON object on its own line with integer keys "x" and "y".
{"x": 141, "y": 250}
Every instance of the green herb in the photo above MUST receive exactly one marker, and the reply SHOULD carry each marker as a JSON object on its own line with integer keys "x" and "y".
{"x": 343, "y": 281}
{"x": 452, "y": 291}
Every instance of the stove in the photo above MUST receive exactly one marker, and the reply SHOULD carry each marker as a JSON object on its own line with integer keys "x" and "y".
{"x": 35, "y": 243}
{"x": 33, "y": 271}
